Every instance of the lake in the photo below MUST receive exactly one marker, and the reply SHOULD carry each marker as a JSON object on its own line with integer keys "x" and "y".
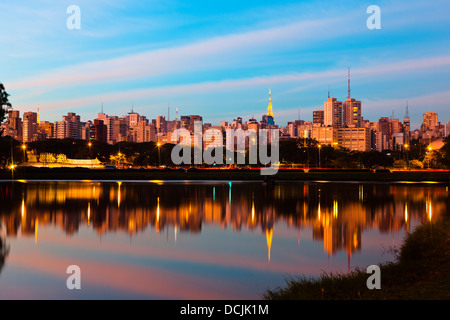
{"x": 198, "y": 239}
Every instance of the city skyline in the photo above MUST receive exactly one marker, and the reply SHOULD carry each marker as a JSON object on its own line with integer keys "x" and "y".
{"x": 172, "y": 115}
{"x": 220, "y": 60}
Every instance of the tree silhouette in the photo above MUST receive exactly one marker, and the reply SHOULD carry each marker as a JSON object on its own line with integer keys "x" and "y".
{"x": 4, "y": 104}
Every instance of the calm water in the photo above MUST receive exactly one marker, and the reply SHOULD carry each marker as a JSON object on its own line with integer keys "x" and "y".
{"x": 198, "y": 240}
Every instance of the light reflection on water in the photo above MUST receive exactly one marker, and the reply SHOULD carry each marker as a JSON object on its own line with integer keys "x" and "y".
{"x": 198, "y": 239}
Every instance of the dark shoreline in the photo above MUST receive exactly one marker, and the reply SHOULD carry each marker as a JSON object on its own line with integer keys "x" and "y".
{"x": 28, "y": 173}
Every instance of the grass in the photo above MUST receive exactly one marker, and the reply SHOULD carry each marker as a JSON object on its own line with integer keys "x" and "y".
{"x": 421, "y": 272}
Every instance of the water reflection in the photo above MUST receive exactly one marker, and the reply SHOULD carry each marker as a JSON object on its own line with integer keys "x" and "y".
{"x": 247, "y": 230}
{"x": 337, "y": 213}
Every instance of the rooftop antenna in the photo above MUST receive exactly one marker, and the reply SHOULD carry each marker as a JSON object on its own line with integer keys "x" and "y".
{"x": 407, "y": 111}
{"x": 102, "y": 107}
{"x": 132, "y": 106}
{"x": 348, "y": 90}
{"x": 176, "y": 114}
{"x": 392, "y": 116}
{"x": 328, "y": 92}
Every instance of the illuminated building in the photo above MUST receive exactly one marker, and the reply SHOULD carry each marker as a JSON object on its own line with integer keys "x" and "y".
{"x": 332, "y": 113}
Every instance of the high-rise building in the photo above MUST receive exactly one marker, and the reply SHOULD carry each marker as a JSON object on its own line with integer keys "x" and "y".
{"x": 13, "y": 126}
{"x": 318, "y": 117}
{"x": 30, "y": 126}
{"x": 71, "y": 127}
{"x": 47, "y": 129}
{"x": 99, "y": 131}
{"x": 430, "y": 121}
{"x": 352, "y": 113}
{"x": 333, "y": 113}
{"x": 384, "y": 126}
{"x": 407, "y": 125}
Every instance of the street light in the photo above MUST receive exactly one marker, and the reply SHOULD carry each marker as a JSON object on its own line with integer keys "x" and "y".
{"x": 118, "y": 159}
{"x": 159, "y": 153}
{"x": 407, "y": 156}
{"x": 429, "y": 159}
{"x": 24, "y": 147}
{"x": 320, "y": 146}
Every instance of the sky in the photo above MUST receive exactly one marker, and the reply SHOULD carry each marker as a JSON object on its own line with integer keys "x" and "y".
{"x": 219, "y": 59}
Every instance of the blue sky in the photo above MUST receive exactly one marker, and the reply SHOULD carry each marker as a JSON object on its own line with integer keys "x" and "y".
{"x": 220, "y": 58}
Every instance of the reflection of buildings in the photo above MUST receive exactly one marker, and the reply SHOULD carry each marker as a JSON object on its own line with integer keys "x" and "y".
{"x": 338, "y": 214}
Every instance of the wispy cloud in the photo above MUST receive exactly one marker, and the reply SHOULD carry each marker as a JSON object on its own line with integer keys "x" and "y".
{"x": 193, "y": 89}
{"x": 212, "y": 53}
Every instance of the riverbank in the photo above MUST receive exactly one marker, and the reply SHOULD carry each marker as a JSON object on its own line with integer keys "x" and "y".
{"x": 420, "y": 272}
{"x": 29, "y": 173}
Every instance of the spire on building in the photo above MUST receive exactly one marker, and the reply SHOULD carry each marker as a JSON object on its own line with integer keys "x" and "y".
{"x": 38, "y": 120}
{"x": 176, "y": 114}
{"x": 269, "y": 108}
{"x": 407, "y": 111}
{"x": 348, "y": 89}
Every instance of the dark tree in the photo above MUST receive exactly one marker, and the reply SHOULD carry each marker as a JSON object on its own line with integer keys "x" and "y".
{"x": 4, "y": 104}
{"x": 445, "y": 151}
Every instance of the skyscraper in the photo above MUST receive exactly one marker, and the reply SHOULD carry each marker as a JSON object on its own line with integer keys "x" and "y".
{"x": 430, "y": 121}
{"x": 29, "y": 126}
{"x": 351, "y": 109}
{"x": 407, "y": 125}
{"x": 333, "y": 113}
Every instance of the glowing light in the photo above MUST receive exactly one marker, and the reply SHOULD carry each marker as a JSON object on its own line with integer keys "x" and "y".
{"x": 335, "y": 209}
{"x": 253, "y": 212}
{"x": 89, "y": 213}
{"x": 118, "y": 194}
{"x": 36, "y": 223}
{"x": 157, "y": 216}
{"x": 23, "y": 208}
{"x": 269, "y": 235}
{"x": 318, "y": 212}
{"x": 430, "y": 211}
{"x": 406, "y": 212}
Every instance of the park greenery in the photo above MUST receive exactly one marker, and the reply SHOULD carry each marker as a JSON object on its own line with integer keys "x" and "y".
{"x": 292, "y": 153}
